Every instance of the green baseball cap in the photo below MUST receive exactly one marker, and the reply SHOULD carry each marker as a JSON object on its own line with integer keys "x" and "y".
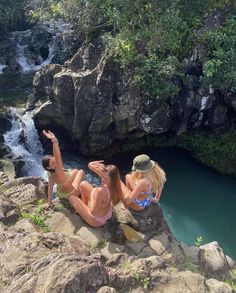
{"x": 142, "y": 163}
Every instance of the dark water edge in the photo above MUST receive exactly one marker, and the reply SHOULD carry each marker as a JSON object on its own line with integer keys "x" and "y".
{"x": 196, "y": 200}
{"x": 14, "y": 88}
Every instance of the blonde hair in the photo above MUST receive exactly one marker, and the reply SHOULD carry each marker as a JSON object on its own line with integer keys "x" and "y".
{"x": 156, "y": 176}
{"x": 116, "y": 191}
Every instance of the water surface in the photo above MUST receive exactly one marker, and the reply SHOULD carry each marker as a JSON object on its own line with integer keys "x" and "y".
{"x": 196, "y": 200}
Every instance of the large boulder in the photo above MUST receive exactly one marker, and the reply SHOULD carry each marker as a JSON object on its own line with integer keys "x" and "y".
{"x": 92, "y": 102}
{"x": 213, "y": 260}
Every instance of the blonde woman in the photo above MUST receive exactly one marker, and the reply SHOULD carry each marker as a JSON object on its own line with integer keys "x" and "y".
{"x": 144, "y": 185}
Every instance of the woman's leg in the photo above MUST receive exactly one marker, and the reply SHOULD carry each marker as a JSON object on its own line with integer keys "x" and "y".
{"x": 85, "y": 190}
{"x": 128, "y": 182}
{"x": 125, "y": 193}
{"x": 83, "y": 210}
{"x": 77, "y": 180}
{"x": 73, "y": 173}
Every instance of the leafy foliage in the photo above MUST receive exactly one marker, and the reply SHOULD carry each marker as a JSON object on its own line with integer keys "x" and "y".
{"x": 215, "y": 150}
{"x": 151, "y": 37}
{"x": 11, "y": 12}
{"x": 219, "y": 66}
{"x": 198, "y": 241}
{"x": 37, "y": 217}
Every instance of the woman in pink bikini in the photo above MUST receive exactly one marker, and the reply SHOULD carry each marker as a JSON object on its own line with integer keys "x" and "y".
{"x": 95, "y": 205}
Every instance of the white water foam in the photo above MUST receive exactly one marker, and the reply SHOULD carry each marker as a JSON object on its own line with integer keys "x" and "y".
{"x": 203, "y": 103}
{"x": 24, "y": 143}
{"x": 25, "y": 62}
{"x": 50, "y": 55}
{"x": 2, "y": 66}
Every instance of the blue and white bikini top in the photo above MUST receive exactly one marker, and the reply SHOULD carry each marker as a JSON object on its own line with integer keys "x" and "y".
{"x": 147, "y": 201}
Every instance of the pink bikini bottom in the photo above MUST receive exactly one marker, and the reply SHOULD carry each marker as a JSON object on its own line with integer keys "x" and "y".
{"x": 103, "y": 219}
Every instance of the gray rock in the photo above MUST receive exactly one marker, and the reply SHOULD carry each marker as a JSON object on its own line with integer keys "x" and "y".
{"x": 215, "y": 286}
{"x": 191, "y": 252}
{"x": 3, "y": 178}
{"x": 213, "y": 259}
{"x": 28, "y": 251}
{"x": 231, "y": 262}
{"x": 8, "y": 168}
{"x": 150, "y": 219}
{"x": 182, "y": 282}
{"x": 24, "y": 190}
{"x": 111, "y": 249}
{"x": 9, "y": 213}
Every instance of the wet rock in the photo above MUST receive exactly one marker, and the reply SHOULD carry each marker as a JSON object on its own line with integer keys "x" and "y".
{"x": 5, "y": 125}
{"x": 4, "y": 150}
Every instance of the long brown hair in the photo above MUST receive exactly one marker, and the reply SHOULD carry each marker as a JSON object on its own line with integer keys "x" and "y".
{"x": 116, "y": 191}
{"x": 45, "y": 163}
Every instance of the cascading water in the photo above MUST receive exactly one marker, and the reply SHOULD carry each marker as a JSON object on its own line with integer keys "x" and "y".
{"x": 31, "y": 49}
{"x": 24, "y": 58}
{"x": 24, "y": 142}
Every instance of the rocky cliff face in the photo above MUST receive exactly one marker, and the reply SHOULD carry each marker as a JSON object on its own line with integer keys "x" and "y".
{"x": 93, "y": 102}
{"x": 54, "y": 250}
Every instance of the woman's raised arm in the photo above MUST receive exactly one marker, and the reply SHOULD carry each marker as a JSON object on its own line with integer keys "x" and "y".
{"x": 56, "y": 149}
{"x": 97, "y": 167}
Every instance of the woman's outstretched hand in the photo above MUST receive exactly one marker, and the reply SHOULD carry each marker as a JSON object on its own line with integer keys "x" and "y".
{"x": 50, "y": 135}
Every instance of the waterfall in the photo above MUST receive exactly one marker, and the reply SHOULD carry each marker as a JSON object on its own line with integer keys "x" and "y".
{"x": 50, "y": 55}
{"x": 25, "y": 58}
{"x": 24, "y": 142}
